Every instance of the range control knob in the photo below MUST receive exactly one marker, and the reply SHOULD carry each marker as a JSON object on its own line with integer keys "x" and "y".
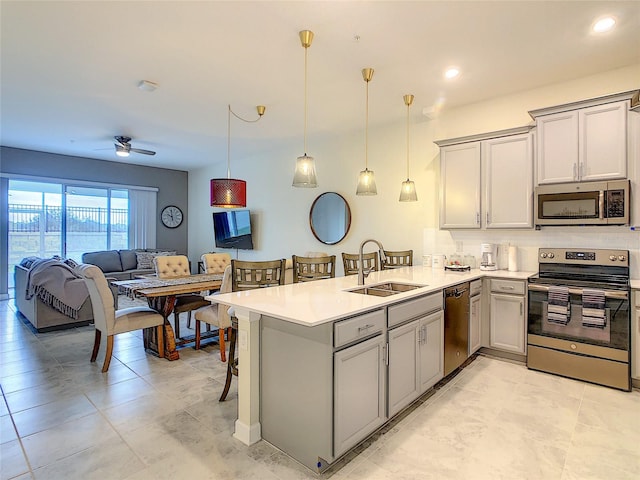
{"x": 543, "y": 255}
{"x": 622, "y": 258}
{"x": 613, "y": 258}
{"x": 551, "y": 255}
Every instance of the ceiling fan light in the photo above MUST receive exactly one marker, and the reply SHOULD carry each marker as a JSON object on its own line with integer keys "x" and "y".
{"x": 305, "y": 173}
{"x": 122, "y": 151}
{"x": 366, "y": 183}
{"x": 228, "y": 193}
{"x": 408, "y": 191}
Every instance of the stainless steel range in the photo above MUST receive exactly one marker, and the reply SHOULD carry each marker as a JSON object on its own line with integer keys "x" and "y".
{"x": 579, "y": 316}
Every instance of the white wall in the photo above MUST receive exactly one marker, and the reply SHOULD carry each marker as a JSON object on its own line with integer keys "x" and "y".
{"x": 281, "y": 213}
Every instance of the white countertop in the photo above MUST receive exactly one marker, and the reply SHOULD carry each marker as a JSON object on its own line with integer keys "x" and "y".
{"x": 321, "y": 301}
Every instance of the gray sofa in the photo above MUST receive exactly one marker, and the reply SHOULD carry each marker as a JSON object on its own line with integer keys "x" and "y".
{"x": 43, "y": 317}
{"x": 124, "y": 264}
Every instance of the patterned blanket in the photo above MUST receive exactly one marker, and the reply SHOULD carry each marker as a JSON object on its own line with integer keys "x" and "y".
{"x": 57, "y": 286}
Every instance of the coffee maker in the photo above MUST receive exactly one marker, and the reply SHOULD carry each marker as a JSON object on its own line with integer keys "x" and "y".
{"x": 489, "y": 256}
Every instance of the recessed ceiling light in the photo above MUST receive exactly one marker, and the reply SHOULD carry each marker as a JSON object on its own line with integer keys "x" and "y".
{"x": 605, "y": 24}
{"x": 451, "y": 72}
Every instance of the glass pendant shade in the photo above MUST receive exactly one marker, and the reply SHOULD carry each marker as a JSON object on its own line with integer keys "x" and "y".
{"x": 228, "y": 193}
{"x": 408, "y": 189}
{"x": 366, "y": 183}
{"x": 366, "y": 180}
{"x": 305, "y": 174}
{"x": 408, "y": 192}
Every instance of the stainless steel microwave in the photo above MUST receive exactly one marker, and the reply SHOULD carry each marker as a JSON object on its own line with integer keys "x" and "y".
{"x": 584, "y": 203}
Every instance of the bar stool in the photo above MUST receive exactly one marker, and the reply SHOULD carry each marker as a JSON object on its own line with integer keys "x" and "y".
{"x": 397, "y": 259}
{"x": 350, "y": 261}
{"x": 306, "y": 269}
{"x": 247, "y": 276}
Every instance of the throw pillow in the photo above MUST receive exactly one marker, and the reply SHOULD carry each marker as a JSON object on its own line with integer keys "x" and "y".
{"x": 145, "y": 259}
{"x": 128, "y": 259}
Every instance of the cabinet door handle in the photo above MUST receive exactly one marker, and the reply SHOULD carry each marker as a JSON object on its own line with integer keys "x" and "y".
{"x": 424, "y": 336}
{"x": 508, "y": 287}
{"x": 581, "y": 170}
{"x": 521, "y": 308}
{"x": 575, "y": 171}
{"x": 477, "y": 218}
{"x": 487, "y": 218}
{"x": 386, "y": 354}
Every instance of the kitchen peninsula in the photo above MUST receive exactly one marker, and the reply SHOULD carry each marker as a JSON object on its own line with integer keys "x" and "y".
{"x": 295, "y": 332}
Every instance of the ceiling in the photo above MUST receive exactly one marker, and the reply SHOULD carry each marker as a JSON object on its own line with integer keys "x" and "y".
{"x": 70, "y": 69}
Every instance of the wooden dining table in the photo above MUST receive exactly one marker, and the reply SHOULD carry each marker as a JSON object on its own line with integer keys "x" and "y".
{"x": 160, "y": 294}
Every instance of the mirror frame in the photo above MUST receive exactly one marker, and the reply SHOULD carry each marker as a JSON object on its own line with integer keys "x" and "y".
{"x": 348, "y": 211}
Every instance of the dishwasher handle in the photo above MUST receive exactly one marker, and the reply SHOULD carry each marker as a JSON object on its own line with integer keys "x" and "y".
{"x": 455, "y": 292}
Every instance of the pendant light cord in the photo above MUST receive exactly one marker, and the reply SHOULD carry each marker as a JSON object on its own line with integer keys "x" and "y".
{"x": 408, "y": 107}
{"x": 229, "y": 112}
{"x": 366, "y": 132}
{"x": 305, "y": 100}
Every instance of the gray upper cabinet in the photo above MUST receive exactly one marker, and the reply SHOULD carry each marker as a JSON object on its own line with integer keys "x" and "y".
{"x": 460, "y": 186}
{"x": 486, "y": 181}
{"x": 583, "y": 145}
{"x": 584, "y": 141}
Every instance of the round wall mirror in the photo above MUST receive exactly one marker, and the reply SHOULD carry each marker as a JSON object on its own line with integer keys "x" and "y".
{"x": 330, "y": 218}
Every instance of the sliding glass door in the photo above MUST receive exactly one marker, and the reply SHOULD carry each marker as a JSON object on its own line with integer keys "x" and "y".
{"x": 47, "y": 219}
{"x": 95, "y": 219}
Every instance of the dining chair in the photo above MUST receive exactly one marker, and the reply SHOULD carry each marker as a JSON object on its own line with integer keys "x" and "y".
{"x": 216, "y": 315}
{"x": 247, "y": 276}
{"x": 397, "y": 259}
{"x": 110, "y": 321}
{"x": 306, "y": 269}
{"x": 213, "y": 263}
{"x": 171, "y": 266}
{"x": 350, "y": 261}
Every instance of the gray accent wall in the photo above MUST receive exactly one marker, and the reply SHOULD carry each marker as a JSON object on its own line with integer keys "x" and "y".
{"x": 172, "y": 188}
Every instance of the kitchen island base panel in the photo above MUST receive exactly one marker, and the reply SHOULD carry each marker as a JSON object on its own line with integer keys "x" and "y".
{"x": 296, "y": 380}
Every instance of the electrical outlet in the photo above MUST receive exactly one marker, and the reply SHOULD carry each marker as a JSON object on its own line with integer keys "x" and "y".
{"x": 459, "y": 246}
{"x": 243, "y": 340}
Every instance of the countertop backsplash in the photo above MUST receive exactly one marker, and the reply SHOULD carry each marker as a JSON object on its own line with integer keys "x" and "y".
{"x": 529, "y": 241}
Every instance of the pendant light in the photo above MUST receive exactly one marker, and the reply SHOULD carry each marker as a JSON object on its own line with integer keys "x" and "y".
{"x": 231, "y": 192}
{"x": 305, "y": 173}
{"x": 366, "y": 180}
{"x": 408, "y": 191}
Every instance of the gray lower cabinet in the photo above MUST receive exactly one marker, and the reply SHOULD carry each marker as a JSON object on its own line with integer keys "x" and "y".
{"x": 508, "y": 315}
{"x": 404, "y": 363}
{"x": 359, "y": 392}
{"x": 415, "y": 349}
{"x": 431, "y": 341}
{"x": 323, "y": 388}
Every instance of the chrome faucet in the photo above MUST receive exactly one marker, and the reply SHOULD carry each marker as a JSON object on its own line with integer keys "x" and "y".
{"x": 361, "y": 271}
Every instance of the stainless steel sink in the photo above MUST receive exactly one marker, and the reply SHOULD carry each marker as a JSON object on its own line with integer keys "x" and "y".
{"x": 386, "y": 289}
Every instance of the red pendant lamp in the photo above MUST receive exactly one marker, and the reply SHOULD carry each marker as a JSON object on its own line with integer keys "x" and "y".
{"x": 231, "y": 192}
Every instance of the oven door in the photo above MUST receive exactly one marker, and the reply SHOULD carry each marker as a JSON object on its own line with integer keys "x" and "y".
{"x": 611, "y": 330}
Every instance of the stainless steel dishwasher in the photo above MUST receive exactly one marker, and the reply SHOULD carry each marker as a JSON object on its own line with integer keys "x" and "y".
{"x": 456, "y": 326}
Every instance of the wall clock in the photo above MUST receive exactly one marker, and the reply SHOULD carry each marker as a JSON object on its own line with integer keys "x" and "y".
{"x": 171, "y": 216}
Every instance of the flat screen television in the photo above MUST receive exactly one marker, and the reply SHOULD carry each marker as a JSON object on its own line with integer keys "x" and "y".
{"x": 232, "y": 229}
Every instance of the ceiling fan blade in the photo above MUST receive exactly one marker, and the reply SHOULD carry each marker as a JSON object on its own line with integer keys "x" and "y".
{"x": 140, "y": 150}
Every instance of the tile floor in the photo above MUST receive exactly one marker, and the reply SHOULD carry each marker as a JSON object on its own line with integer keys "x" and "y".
{"x": 147, "y": 418}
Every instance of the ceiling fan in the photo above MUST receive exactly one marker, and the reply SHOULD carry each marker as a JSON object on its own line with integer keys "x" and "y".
{"x": 123, "y": 147}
